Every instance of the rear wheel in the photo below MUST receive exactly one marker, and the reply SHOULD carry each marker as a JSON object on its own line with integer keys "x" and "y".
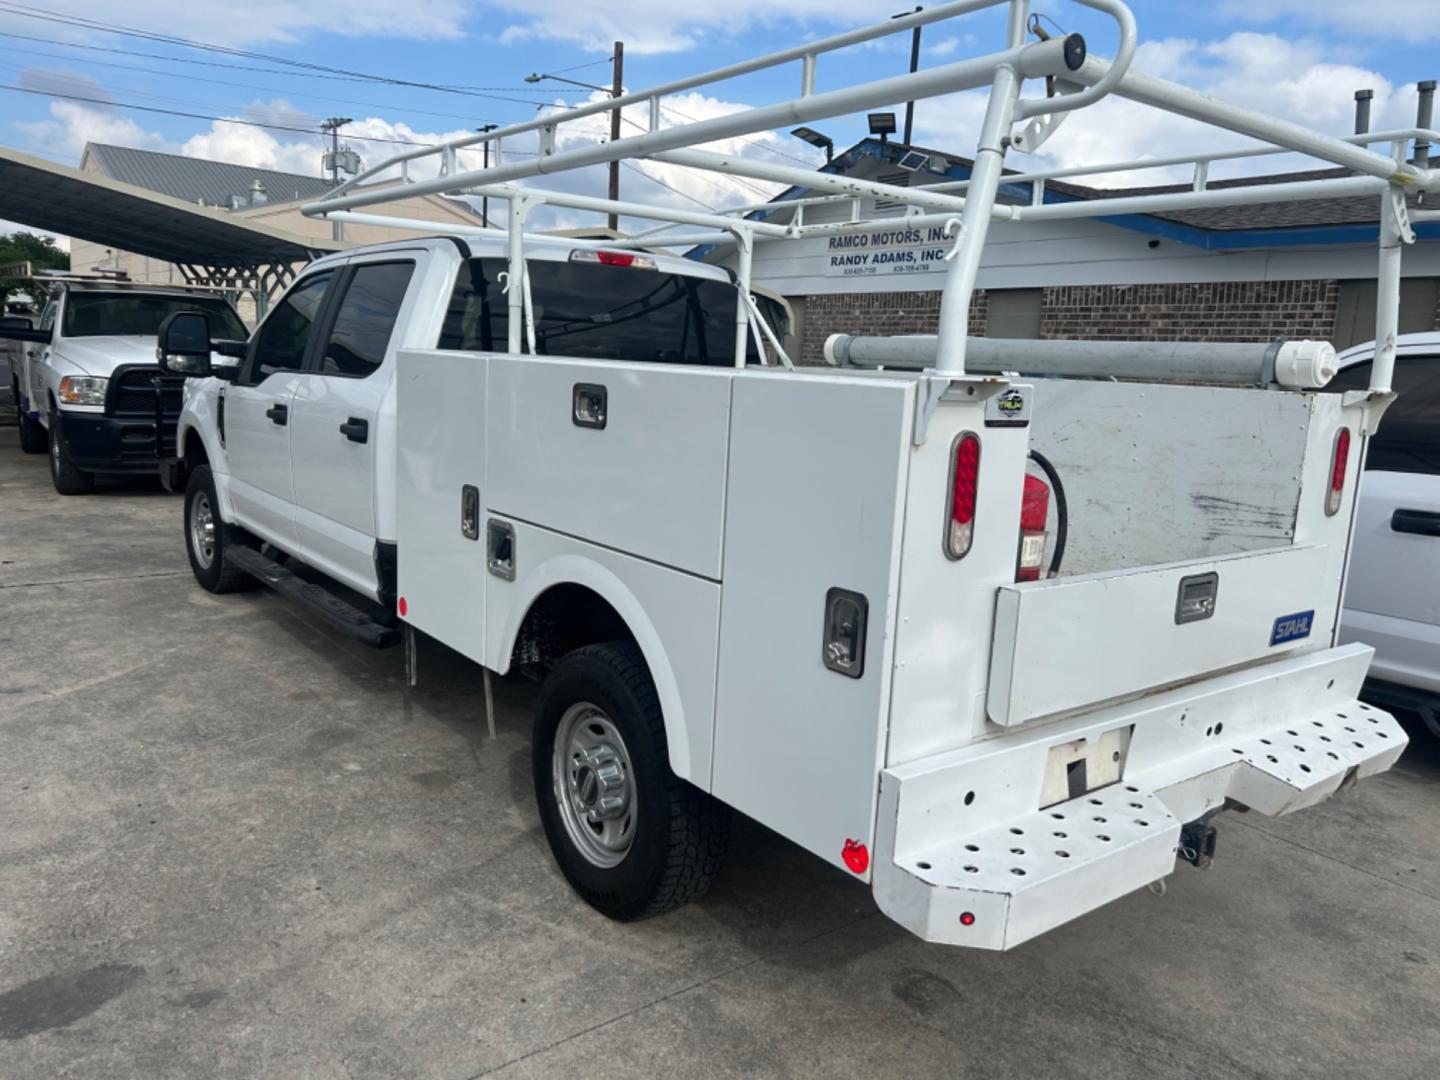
{"x": 32, "y": 432}
{"x": 68, "y": 478}
{"x": 207, "y": 537}
{"x": 632, "y": 838}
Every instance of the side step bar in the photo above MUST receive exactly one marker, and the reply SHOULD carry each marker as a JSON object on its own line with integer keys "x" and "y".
{"x": 346, "y": 618}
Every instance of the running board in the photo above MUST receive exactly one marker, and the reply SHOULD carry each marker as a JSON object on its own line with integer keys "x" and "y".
{"x": 349, "y": 620}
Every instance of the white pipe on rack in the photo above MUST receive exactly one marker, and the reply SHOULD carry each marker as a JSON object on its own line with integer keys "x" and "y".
{"x": 1387, "y": 296}
{"x": 1253, "y": 194}
{"x": 746, "y": 248}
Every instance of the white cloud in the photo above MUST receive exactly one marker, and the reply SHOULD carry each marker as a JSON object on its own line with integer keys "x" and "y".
{"x": 253, "y": 22}
{"x": 72, "y": 125}
{"x": 659, "y": 26}
{"x": 1291, "y": 79}
{"x": 1392, "y": 19}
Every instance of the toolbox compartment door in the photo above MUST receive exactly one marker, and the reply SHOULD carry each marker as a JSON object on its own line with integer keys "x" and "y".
{"x": 1068, "y": 643}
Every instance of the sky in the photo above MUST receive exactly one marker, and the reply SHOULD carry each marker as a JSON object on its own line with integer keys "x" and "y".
{"x": 414, "y": 71}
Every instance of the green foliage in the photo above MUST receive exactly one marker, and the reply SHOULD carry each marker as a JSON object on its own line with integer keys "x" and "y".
{"x": 39, "y": 251}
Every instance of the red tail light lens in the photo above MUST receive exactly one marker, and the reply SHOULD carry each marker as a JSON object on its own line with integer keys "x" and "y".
{"x": 1034, "y": 511}
{"x": 1338, "y": 464}
{"x": 964, "y": 482}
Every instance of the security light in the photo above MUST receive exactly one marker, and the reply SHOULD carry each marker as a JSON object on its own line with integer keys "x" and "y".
{"x": 881, "y": 123}
{"x": 814, "y": 138}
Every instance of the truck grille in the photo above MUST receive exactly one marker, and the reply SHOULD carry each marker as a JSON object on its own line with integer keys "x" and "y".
{"x": 134, "y": 396}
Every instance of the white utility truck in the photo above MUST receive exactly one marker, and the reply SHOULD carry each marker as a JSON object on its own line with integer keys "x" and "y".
{"x": 995, "y": 627}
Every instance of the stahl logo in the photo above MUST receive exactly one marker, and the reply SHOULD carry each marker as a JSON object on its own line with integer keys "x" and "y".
{"x": 1292, "y": 627}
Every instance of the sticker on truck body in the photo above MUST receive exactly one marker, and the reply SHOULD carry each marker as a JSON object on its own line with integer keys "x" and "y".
{"x": 1292, "y": 627}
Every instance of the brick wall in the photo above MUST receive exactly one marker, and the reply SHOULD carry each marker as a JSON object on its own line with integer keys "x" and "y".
{"x": 884, "y": 313}
{"x": 1206, "y": 311}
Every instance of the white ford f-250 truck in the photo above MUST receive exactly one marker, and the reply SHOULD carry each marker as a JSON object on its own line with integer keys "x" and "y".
{"x": 995, "y": 627}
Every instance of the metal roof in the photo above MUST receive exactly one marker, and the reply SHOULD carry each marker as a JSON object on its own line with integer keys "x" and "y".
{"x": 88, "y": 206}
{"x": 198, "y": 180}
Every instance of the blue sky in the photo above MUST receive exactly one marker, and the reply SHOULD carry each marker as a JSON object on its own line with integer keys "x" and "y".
{"x": 1299, "y": 58}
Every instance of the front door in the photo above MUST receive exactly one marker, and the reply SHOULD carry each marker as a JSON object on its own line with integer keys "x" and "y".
{"x": 336, "y": 425}
{"x": 258, "y": 414}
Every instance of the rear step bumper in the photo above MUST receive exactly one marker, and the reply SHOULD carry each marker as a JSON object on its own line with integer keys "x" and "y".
{"x": 1277, "y": 738}
{"x": 349, "y": 620}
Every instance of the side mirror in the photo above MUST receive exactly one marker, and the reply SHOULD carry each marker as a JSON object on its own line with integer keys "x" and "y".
{"x": 20, "y": 328}
{"x": 183, "y": 345}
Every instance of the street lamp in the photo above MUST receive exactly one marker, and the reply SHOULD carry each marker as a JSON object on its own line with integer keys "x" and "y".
{"x": 814, "y": 138}
{"x": 614, "y": 91}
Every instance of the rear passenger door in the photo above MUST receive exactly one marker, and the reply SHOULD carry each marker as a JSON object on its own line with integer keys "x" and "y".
{"x": 337, "y": 421}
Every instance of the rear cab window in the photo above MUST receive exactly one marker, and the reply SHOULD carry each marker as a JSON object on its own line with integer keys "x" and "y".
{"x": 1409, "y": 436}
{"x": 599, "y": 312}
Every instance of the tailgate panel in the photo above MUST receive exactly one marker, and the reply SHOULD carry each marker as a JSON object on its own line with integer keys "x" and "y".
{"x": 1064, "y": 644}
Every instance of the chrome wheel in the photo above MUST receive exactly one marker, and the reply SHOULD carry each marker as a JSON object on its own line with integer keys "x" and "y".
{"x": 594, "y": 785}
{"x": 202, "y": 530}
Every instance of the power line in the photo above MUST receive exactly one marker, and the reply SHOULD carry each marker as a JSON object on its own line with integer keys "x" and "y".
{"x": 170, "y": 39}
{"x": 199, "y": 116}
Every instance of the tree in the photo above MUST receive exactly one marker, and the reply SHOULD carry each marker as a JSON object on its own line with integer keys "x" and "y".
{"x": 39, "y": 251}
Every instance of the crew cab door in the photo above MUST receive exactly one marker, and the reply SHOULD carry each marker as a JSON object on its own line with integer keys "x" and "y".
{"x": 1392, "y": 601}
{"x": 335, "y": 421}
{"x": 258, "y": 413}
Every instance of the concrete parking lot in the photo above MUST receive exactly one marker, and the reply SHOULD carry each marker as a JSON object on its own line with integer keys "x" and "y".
{"x": 234, "y": 844}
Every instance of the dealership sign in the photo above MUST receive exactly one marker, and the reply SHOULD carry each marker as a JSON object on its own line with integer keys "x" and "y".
{"x": 901, "y": 250}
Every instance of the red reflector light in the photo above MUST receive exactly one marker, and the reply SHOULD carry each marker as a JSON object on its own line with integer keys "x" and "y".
{"x": 1338, "y": 464}
{"x": 402, "y": 606}
{"x": 967, "y": 918}
{"x": 614, "y": 258}
{"x": 964, "y": 483}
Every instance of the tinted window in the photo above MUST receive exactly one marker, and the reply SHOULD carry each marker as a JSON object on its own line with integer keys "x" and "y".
{"x": 1409, "y": 435}
{"x": 599, "y": 312}
{"x": 280, "y": 344}
{"x": 366, "y": 319}
{"x": 90, "y": 314}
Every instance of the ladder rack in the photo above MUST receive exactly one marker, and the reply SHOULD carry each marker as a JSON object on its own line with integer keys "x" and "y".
{"x": 1071, "y": 78}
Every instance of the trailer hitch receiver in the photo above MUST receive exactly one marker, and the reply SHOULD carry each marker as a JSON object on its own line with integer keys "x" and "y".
{"x": 1197, "y": 843}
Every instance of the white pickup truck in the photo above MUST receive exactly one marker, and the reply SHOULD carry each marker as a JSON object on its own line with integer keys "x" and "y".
{"x": 804, "y": 595}
{"x": 995, "y": 627}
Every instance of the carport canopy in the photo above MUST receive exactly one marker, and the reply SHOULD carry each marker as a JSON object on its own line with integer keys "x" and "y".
{"x": 44, "y": 195}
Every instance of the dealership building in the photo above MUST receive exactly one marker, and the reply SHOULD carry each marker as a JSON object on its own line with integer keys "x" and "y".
{"x": 1244, "y": 273}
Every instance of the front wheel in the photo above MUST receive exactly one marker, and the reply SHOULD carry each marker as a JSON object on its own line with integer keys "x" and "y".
{"x": 632, "y": 838}
{"x": 32, "y": 432}
{"x": 207, "y": 537}
{"x": 67, "y": 477}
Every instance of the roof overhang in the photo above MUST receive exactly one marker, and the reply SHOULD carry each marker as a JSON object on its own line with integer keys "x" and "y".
{"x": 56, "y": 198}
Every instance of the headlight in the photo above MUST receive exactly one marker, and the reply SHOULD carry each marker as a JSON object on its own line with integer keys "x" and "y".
{"x": 82, "y": 390}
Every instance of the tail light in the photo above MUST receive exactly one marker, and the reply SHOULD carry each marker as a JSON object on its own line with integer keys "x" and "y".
{"x": 1338, "y": 463}
{"x": 964, "y": 481}
{"x": 613, "y": 258}
{"x": 1034, "y": 510}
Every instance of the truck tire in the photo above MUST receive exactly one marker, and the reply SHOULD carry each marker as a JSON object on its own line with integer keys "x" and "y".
{"x": 32, "y": 433}
{"x": 207, "y": 536}
{"x": 632, "y": 838}
{"x": 64, "y": 474}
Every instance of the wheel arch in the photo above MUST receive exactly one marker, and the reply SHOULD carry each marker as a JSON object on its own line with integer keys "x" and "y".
{"x": 593, "y": 604}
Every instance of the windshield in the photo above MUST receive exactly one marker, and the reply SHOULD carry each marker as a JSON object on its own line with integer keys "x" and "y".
{"x": 91, "y": 314}
{"x": 599, "y": 312}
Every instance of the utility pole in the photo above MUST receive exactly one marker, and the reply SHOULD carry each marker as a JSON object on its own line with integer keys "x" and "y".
{"x": 914, "y": 66}
{"x": 333, "y": 126}
{"x": 485, "y": 200}
{"x": 616, "y": 91}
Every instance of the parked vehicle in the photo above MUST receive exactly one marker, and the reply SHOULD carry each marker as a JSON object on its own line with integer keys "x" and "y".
{"x": 1392, "y": 599}
{"x": 87, "y": 386}
{"x": 914, "y": 612}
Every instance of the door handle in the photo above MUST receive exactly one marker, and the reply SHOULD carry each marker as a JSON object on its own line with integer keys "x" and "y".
{"x": 1419, "y": 522}
{"x": 280, "y": 414}
{"x": 356, "y": 429}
